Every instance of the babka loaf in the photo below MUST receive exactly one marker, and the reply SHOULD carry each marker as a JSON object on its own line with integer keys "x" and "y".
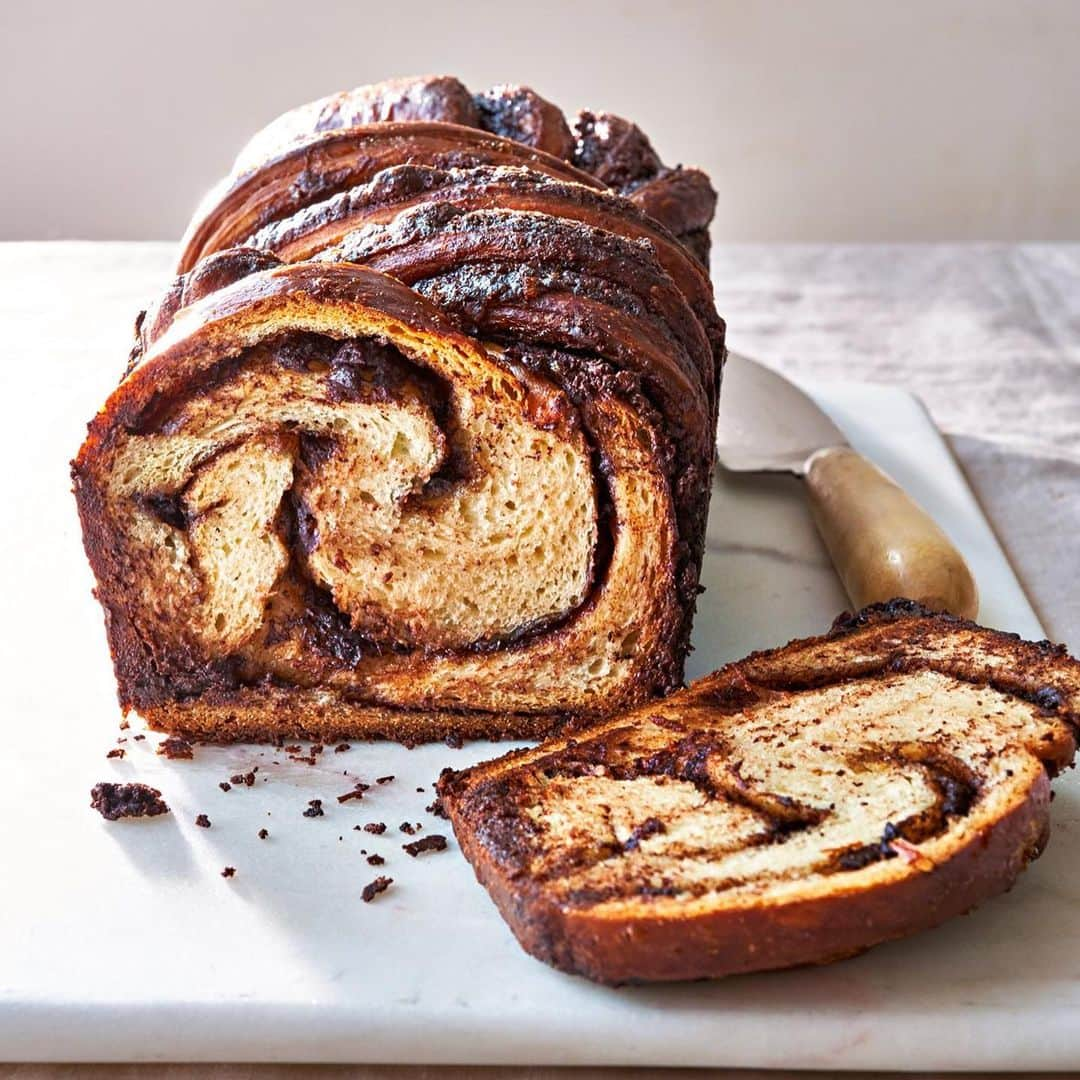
{"x": 428, "y": 454}
{"x": 796, "y": 807}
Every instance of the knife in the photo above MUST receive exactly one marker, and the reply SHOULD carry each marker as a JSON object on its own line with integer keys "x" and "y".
{"x": 882, "y": 543}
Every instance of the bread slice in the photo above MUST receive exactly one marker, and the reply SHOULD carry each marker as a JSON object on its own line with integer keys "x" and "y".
{"x": 796, "y": 807}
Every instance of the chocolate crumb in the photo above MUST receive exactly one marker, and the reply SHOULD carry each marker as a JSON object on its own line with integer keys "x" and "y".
{"x": 649, "y": 827}
{"x": 139, "y": 738}
{"x": 292, "y": 749}
{"x": 114, "y": 801}
{"x": 117, "y": 753}
{"x": 124, "y": 725}
{"x": 356, "y": 793}
{"x": 376, "y": 827}
{"x": 229, "y": 871}
{"x": 341, "y": 748}
{"x": 379, "y": 885}
{"x": 263, "y": 834}
{"x": 314, "y": 808}
{"x": 202, "y": 821}
{"x": 317, "y": 749}
{"x": 384, "y": 779}
{"x": 436, "y": 807}
{"x": 174, "y": 747}
{"x": 1049, "y": 698}
{"x": 434, "y": 842}
{"x": 419, "y": 791}
{"x": 376, "y": 860}
{"x": 410, "y": 829}
{"x": 225, "y": 785}
{"x": 455, "y": 742}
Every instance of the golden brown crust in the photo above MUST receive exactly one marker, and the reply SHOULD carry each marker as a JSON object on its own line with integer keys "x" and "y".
{"x": 334, "y": 161}
{"x": 268, "y": 714}
{"x": 613, "y": 923}
{"x": 404, "y": 187}
{"x": 614, "y": 151}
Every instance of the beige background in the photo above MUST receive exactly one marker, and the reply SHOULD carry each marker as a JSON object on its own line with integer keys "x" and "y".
{"x": 818, "y": 119}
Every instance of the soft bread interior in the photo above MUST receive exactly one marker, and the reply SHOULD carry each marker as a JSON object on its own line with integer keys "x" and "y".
{"x": 784, "y": 795}
{"x": 506, "y": 542}
{"x": 507, "y": 547}
{"x": 237, "y": 554}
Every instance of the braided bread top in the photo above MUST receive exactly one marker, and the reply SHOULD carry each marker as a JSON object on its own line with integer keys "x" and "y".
{"x": 310, "y": 154}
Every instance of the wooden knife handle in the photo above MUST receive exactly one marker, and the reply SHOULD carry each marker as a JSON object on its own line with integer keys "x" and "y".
{"x": 882, "y": 543}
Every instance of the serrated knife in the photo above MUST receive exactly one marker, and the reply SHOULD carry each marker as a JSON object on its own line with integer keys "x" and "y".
{"x": 882, "y": 543}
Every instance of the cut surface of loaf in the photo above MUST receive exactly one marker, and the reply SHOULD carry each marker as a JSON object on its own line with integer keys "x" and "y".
{"x": 314, "y": 507}
{"x": 795, "y": 807}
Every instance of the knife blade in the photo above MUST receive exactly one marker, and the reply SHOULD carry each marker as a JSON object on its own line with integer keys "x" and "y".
{"x": 767, "y": 424}
{"x": 882, "y": 543}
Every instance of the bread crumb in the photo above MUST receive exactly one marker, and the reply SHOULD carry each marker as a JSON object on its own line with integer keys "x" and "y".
{"x": 115, "y": 801}
{"x": 175, "y": 748}
{"x": 434, "y": 842}
{"x": 379, "y": 885}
